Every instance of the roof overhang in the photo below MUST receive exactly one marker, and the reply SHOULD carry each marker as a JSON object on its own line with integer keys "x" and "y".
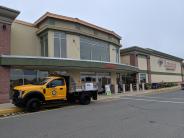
{"x": 8, "y": 15}
{"x": 7, "y": 60}
{"x": 147, "y": 52}
{"x": 74, "y": 20}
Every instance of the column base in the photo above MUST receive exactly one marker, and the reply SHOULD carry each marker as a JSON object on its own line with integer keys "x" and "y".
{"x": 4, "y": 98}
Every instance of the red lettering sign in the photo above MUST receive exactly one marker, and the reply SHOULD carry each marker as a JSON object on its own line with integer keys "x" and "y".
{"x": 110, "y": 66}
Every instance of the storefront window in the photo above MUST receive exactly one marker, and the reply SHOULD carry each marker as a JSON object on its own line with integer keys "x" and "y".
{"x": 16, "y": 78}
{"x": 60, "y": 44}
{"x": 30, "y": 76}
{"x": 143, "y": 78}
{"x": 93, "y": 49}
{"x": 44, "y": 45}
{"x": 41, "y": 75}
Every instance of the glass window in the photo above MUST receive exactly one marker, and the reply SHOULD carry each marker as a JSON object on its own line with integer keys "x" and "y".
{"x": 30, "y": 76}
{"x": 93, "y": 49}
{"x": 41, "y": 75}
{"x": 55, "y": 83}
{"x": 59, "y": 44}
{"x": 117, "y": 55}
{"x": 16, "y": 78}
{"x": 44, "y": 45}
{"x": 143, "y": 77}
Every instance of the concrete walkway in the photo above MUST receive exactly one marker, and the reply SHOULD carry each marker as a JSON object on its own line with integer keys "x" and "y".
{"x": 9, "y": 108}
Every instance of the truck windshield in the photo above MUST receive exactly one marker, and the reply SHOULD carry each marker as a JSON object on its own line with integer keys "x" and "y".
{"x": 42, "y": 82}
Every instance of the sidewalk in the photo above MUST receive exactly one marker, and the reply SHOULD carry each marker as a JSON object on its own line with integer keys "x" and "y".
{"x": 139, "y": 93}
{"x": 9, "y": 108}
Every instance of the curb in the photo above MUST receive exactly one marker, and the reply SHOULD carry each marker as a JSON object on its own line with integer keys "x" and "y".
{"x": 11, "y": 110}
{"x": 135, "y": 93}
{"x": 7, "y": 111}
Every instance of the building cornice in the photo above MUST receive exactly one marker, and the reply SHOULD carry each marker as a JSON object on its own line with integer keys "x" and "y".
{"x": 74, "y": 20}
{"x": 73, "y": 31}
{"x": 144, "y": 51}
{"x": 8, "y": 15}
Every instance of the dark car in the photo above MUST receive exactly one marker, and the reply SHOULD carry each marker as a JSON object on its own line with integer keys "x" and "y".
{"x": 182, "y": 85}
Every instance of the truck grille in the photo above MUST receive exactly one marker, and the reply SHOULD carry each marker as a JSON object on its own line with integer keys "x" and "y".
{"x": 15, "y": 94}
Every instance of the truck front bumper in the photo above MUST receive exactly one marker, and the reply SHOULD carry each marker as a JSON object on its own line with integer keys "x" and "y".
{"x": 16, "y": 100}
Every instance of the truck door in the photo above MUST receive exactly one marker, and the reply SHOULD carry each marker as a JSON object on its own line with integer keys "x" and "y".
{"x": 56, "y": 90}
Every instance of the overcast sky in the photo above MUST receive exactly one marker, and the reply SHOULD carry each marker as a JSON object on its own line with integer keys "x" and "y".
{"x": 156, "y": 24}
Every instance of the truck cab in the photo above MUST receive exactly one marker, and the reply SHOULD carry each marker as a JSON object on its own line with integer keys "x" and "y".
{"x": 49, "y": 90}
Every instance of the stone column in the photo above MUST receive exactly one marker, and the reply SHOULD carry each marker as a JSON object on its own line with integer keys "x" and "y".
{"x": 133, "y": 59}
{"x": 5, "y": 30}
{"x": 7, "y": 16}
{"x": 114, "y": 82}
{"x": 182, "y": 71}
{"x": 149, "y": 69}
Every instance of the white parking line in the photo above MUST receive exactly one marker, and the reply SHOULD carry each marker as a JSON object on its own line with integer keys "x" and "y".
{"x": 152, "y": 100}
{"x": 159, "y": 97}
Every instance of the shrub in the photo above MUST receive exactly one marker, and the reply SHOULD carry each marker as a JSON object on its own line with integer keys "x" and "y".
{"x": 148, "y": 86}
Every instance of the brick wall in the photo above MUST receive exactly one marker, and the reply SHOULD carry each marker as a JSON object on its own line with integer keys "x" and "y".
{"x": 5, "y": 39}
{"x": 133, "y": 59}
{"x": 4, "y": 71}
{"x": 4, "y": 84}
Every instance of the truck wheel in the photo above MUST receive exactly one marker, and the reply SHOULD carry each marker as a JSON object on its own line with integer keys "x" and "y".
{"x": 85, "y": 99}
{"x": 71, "y": 100}
{"x": 33, "y": 105}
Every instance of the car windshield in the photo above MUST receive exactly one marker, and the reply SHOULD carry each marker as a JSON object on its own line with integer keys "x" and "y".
{"x": 42, "y": 81}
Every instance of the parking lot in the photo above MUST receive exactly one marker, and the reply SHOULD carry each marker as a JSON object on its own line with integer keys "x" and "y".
{"x": 153, "y": 116}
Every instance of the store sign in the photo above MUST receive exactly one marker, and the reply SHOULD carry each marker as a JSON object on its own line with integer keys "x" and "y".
{"x": 110, "y": 66}
{"x": 169, "y": 65}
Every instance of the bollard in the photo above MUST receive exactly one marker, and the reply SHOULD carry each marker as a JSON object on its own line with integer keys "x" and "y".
{"x": 131, "y": 88}
{"x": 137, "y": 86}
{"x": 124, "y": 88}
{"x": 143, "y": 87}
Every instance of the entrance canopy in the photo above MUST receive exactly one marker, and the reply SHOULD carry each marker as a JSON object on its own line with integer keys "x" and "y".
{"x": 49, "y": 62}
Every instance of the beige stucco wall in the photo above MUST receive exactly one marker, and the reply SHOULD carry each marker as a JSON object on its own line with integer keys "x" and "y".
{"x": 70, "y": 26}
{"x": 142, "y": 62}
{"x": 73, "y": 46}
{"x": 125, "y": 59}
{"x": 51, "y": 43}
{"x": 75, "y": 75}
{"x": 157, "y": 68}
{"x": 112, "y": 54}
{"x": 24, "y": 40}
{"x": 165, "y": 78}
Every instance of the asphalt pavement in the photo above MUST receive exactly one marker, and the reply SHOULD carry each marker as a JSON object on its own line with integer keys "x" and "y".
{"x": 149, "y": 116}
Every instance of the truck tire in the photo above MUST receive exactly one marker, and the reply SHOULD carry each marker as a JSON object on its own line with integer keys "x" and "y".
{"x": 33, "y": 105}
{"x": 85, "y": 99}
{"x": 71, "y": 100}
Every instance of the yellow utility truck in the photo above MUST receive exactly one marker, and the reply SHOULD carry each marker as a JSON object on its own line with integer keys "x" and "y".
{"x": 52, "y": 89}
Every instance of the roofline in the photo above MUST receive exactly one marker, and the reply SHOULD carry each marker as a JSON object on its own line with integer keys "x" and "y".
{"x": 9, "y": 9}
{"x": 24, "y": 23}
{"x": 75, "y": 20}
{"x": 8, "y": 15}
{"x": 149, "y": 52}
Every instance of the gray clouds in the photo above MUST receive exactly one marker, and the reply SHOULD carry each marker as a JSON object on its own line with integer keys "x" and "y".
{"x": 157, "y": 24}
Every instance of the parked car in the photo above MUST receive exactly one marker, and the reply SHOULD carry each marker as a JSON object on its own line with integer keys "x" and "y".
{"x": 182, "y": 85}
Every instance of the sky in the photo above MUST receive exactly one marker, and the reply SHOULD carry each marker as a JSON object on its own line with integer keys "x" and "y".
{"x": 156, "y": 24}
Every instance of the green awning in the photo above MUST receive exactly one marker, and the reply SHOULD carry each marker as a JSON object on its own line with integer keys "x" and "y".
{"x": 8, "y": 60}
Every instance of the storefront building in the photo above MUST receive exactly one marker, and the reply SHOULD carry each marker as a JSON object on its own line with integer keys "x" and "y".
{"x": 55, "y": 43}
{"x": 154, "y": 66}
